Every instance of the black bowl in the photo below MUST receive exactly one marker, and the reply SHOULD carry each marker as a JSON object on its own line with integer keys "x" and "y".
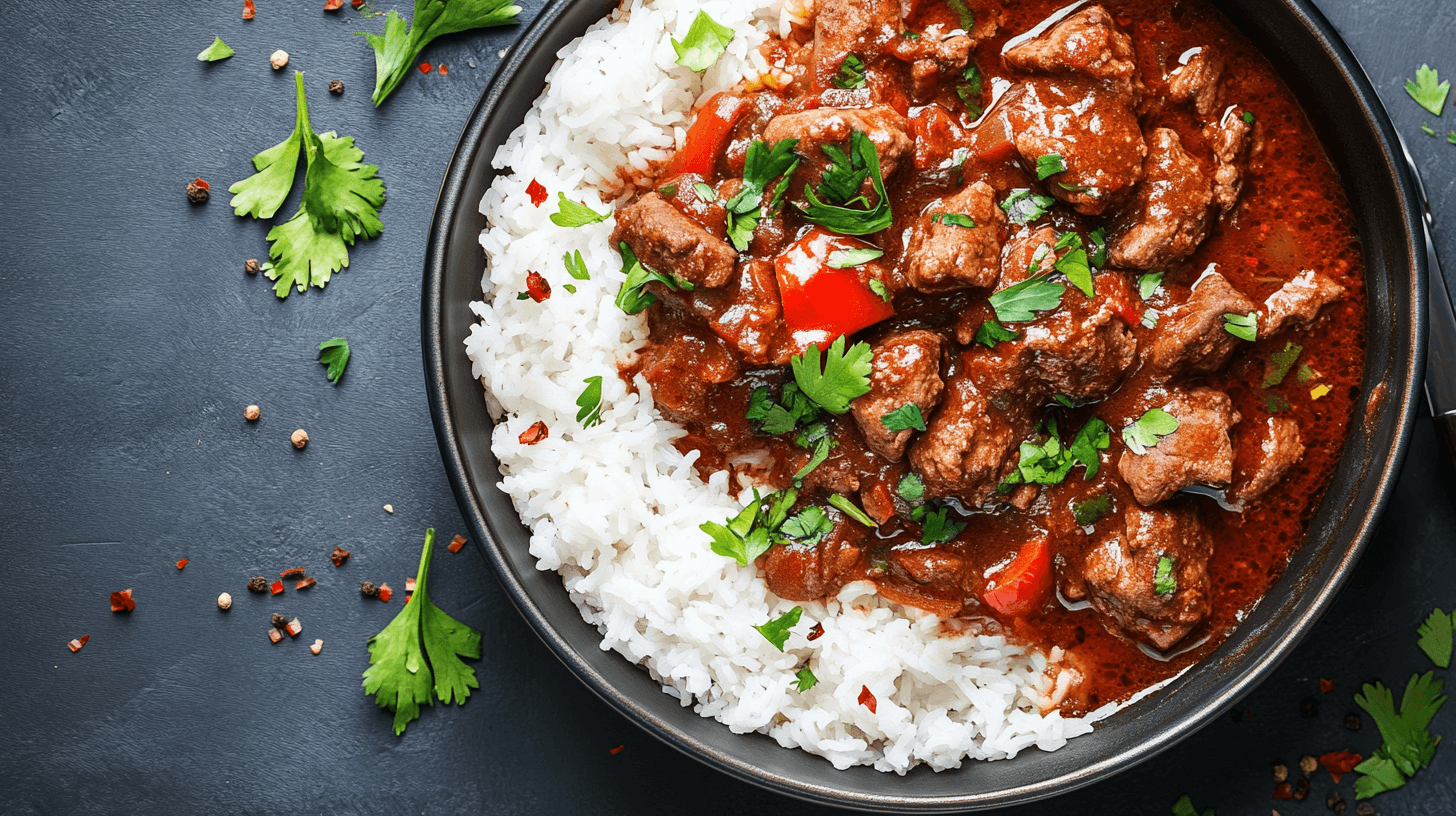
{"x": 1364, "y": 148}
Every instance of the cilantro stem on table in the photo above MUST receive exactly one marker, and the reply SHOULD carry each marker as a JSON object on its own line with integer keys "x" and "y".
{"x": 395, "y": 52}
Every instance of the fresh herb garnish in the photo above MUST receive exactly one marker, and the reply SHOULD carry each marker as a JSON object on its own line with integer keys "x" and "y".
{"x": 416, "y": 658}
{"x": 1088, "y": 511}
{"x": 1050, "y": 461}
{"x": 1184, "y": 807}
{"x": 904, "y": 418}
{"x": 1149, "y": 430}
{"x": 1248, "y": 117}
{"x": 568, "y": 287}
{"x": 911, "y": 488}
{"x": 219, "y": 50}
{"x": 808, "y": 526}
{"x": 589, "y": 402}
{"x": 341, "y": 201}
{"x": 747, "y": 535}
{"x": 761, "y": 165}
{"x": 776, "y": 631}
{"x": 760, "y": 402}
{"x": 705, "y": 42}
{"x": 939, "y": 528}
{"x": 1244, "y": 327}
{"x": 1435, "y": 637}
{"x": 1149, "y": 283}
{"x": 990, "y": 333}
{"x": 845, "y": 258}
{"x": 1149, "y": 318}
{"x": 849, "y": 509}
{"x": 1019, "y": 302}
{"x": 575, "y": 266}
{"x": 1063, "y": 400}
{"x": 667, "y": 190}
{"x": 840, "y": 184}
{"x": 395, "y": 52}
{"x": 334, "y": 354}
{"x": 1023, "y": 206}
{"x": 970, "y": 91}
{"x": 1048, "y": 165}
{"x": 851, "y": 72}
{"x": 804, "y": 680}
{"x": 575, "y": 214}
{"x": 1426, "y": 92}
{"x": 879, "y": 288}
{"x": 1304, "y": 373}
{"x": 954, "y": 220}
{"x": 705, "y": 192}
{"x": 1164, "y": 581}
{"x": 814, "y": 436}
{"x": 1279, "y": 364}
{"x": 1426, "y": 129}
{"x": 633, "y": 296}
{"x": 967, "y": 17}
{"x": 1093, "y": 437}
{"x": 1097, "y": 247}
{"x": 844, "y": 375}
{"x": 1073, "y": 263}
{"x": 1407, "y": 745}
{"x": 1451, "y": 137}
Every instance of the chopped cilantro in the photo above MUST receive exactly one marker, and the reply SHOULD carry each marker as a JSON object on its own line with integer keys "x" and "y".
{"x": 911, "y": 488}
{"x": 1426, "y": 129}
{"x": 761, "y": 165}
{"x": 964, "y": 13}
{"x": 667, "y": 190}
{"x": 970, "y": 91}
{"x": 1073, "y": 263}
{"x": 1149, "y": 318}
{"x": 574, "y": 214}
{"x": 1435, "y": 637}
{"x": 1149, "y": 283}
{"x": 1304, "y": 374}
{"x": 575, "y": 266}
{"x": 1040, "y": 463}
{"x": 704, "y": 43}
{"x": 939, "y": 528}
{"x": 1407, "y": 745}
{"x": 1451, "y": 137}
{"x": 879, "y": 288}
{"x": 910, "y": 35}
{"x": 705, "y": 192}
{"x": 954, "y": 220}
{"x": 1274, "y": 403}
{"x": 1019, "y": 302}
{"x": 808, "y": 526}
{"x": 840, "y": 184}
{"x": 849, "y": 509}
{"x": 395, "y": 53}
{"x": 776, "y": 631}
{"x": 568, "y": 287}
{"x": 818, "y": 436}
{"x": 633, "y": 296}
{"x": 1088, "y": 511}
{"x": 1244, "y": 327}
{"x": 1097, "y": 247}
{"x": 844, "y": 375}
{"x": 904, "y": 418}
{"x": 1164, "y": 581}
{"x": 804, "y": 679}
{"x": 1149, "y": 430}
{"x": 1023, "y": 206}
{"x": 219, "y": 50}
{"x": 1277, "y": 368}
{"x": 851, "y": 72}
{"x": 746, "y": 535}
{"x": 589, "y": 402}
{"x": 845, "y": 258}
{"x": 759, "y": 403}
{"x": 1093, "y": 437}
{"x": 1063, "y": 400}
{"x": 1426, "y": 92}
{"x": 1184, "y": 807}
{"x": 1048, "y": 165}
{"x": 1248, "y": 117}
{"x": 990, "y": 333}
{"x": 334, "y": 354}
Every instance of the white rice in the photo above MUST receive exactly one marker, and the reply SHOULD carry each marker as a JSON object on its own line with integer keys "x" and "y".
{"x": 615, "y": 508}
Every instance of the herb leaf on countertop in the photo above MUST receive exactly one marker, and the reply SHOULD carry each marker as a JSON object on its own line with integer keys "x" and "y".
{"x": 396, "y": 50}
{"x": 334, "y": 354}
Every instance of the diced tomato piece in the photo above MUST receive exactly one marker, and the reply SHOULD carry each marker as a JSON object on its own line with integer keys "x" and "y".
{"x": 276, "y": 587}
{"x": 77, "y": 643}
{"x": 867, "y": 698}
{"x": 456, "y": 543}
{"x": 534, "y": 434}
{"x": 249, "y": 10}
{"x": 537, "y": 192}
{"x": 821, "y": 303}
{"x": 705, "y": 139}
{"x": 1025, "y": 584}
{"x": 537, "y": 287}
{"x": 122, "y": 601}
{"x": 385, "y": 593}
{"x": 1339, "y": 763}
{"x": 182, "y": 563}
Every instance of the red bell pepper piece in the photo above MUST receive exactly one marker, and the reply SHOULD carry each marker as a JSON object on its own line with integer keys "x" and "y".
{"x": 705, "y": 139}
{"x": 821, "y": 303}
{"x": 1025, "y": 584}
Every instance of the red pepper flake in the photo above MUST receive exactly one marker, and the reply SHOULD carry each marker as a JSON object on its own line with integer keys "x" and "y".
{"x": 276, "y": 587}
{"x": 407, "y": 598}
{"x": 339, "y": 556}
{"x": 293, "y": 628}
{"x": 1326, "y": 685}
{"x": 425, "y": 67}
{"x": 78, "y": 643}
{"x": 537, "y": 192}
{"x": 456, "y": 543}
{"x": 333, "y": 5}
{"x": 356, "y": 3}
{"x": 444, "y": 69}
{"x": 385, "y": 593}
{"x": 1282, "y": 791}
{"x": 534, "y": 434}
{"x": 295, "y": 572}
{"x": 306, "y": 583}
{"x": 817, "y": 632}
{"x": 537, "y": 287}
{"x": 274, "y": 635}
{"x": 122, "y": 602}
{"x": 1124, "y": 20}
{"x": 249, "y": 10}
{"x": 867, "y": 698}
{"x": 182, "y": 563}
{"x": 1339, "y": 763}
{"x": 618, "y": 749}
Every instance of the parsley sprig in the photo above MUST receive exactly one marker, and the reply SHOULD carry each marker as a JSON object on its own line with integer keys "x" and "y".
{"x": 1435, "y": 637}
{"x": 1020, "y": 302}
{"x": 848, "y": 212}
{"x": 1149, "y": 430}
{"x": 748, "y": 534}
{"x": 704, "y": 43}
{"x": 395, "y": 52}
{"x": 1426, "y": 91}
{"x": 762, "y": 165}
{"x": 1407, "y": 745}
{"x": 416, "y": 658}
{"x": 843, "y": 375}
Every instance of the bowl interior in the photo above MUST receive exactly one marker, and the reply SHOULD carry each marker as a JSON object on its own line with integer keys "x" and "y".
{"x": 1342, "y": 106}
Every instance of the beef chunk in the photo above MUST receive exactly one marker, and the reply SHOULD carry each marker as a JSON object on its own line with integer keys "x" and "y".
{"x": 1298, "y": 302}
{"x": 950, "y": 256}
{"x": 1196, "y": 80}
{"x": 1120, "y": 574}
{"x": 1172, "y": 210}
{"x": 666, "y": 240}
{"x": 932, "y": 56}
{"x": 745, "y": 312}
{"x": 1231, "y": 138}
{"x": 1265, "y": 452}
{"x": 683, "y": 372}
{"x": 799, "y": 572}
{"x": 842, "y": 27}
{"x": 886, "y": 128}
{"x": 1199, "y": 452}
{"x": 1028, "y": 253}
{"x": 1083, "y": 349}
{"x": 1095, "y": 131}
{"x": 1192, "y": 337}
{"x": 906, "y": 371}
{"x": 1087, "y": 43}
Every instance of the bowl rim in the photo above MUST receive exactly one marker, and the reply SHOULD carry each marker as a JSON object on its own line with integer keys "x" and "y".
{"x": 437, "y": 349}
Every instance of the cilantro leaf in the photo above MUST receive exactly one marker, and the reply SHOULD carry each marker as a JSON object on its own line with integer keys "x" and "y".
{"x": 954, "y": 220}
{"x": 342, "y": 193}
{"x": 633, "y": 297}
{"x": 1380, "y": 775}
{"x": 1244, "y": 327}
{"x": 990, "y": 333}
{"x": 1279, "y": 364}
{"x": 1149, "y": 430}
{"x": 861, "y": 162}
{"x": 970, "y": 91}
{"x": 911, "y": 488}
{"x": 1304, "y": 373}
{"x": 1044, "y": 463}
{"x": 846, "y": 258}
{"x": 1149, "y": 283}
{"x": 776, "y": 631}
{"x": 575, "y": 266}
{"x": 746, "y": 536}
{"x": 301, "y": 253}
{"x": 1164, "y": 581}
{"x": 589, "y": 402}
{"x": 879, "y": 288}
{"x": 399, "y": 676}
{"x": 704, "y": 43}
{"x": 1074, "y": 265}
{"x": 822, "y": 443}
{"x": 967, "y": 17}
{"x": 334, "y": 354}
{"x": 1088, "y": 511}
{"x": 261, "y": 194}
{"x": 1048, "y": 165}
{"x": 1451, "y": 137}
{"x": 1184, "y": 807}
{"x": 396, "y": 50}
{"x": 762, "y": 164}
{"x": 704, "y": 192}
{"x": 938, "y": 528}
{"x": 1097, "y": 247}
{"x": 805, "y": 679}
{"x": 1093, "y": 437}
{"x": 849, "y": 509}
{"x": 1023, "y": 206}
{"x": 759, "y": 403}
{"x": 904, "y": 418}
{"x": 575, "y": 214}
{"x": 844, "y": 376}
{"x": 1436, "y": 637}
{"x": 1019, "y": 302}
{"x": 809, "y": 525}
{"x": 1426, "y": 129}
{"x": 777, "y": 421}
{"x": 1407, "y": 744}
{"x": 1426, "y": 92}
{"x": 219, "y": 50}
{"x": 851, "y": 72}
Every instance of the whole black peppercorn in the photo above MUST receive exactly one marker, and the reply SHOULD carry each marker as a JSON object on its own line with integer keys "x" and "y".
{"x": 368, "y": 588}
{"x": 279, "y": 621}
{"x": 1301, "y": 788}
{"x": 1352, "y": 722}
{"x": 1335, "y": 802}
{"x": 1365, "y": 809}
{"x": 252, "y": 266}
{"x": 1309, "y": 708}
{"x": 336, "y": 86}
{"x": 257, "y": 584}
{"x": 197, "y": 192}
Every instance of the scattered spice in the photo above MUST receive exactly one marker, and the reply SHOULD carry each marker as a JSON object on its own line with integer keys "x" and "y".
{"x": 534, "y": 434}
{"x": 306, "y": 583}
{"x": 867, "y": 698}
{"x": 274, "y": 635}
{"x": 251, "y": 266}
{"x": 1365, "y": 809}
{"x": 1308, "y": 764}
{"x": 224, "y": 602}
{"x": 257, "y": 584}
{"x": 293, "y": 572}
{"x": 409, "y": 585}
{"x": 1309, "y": 708}
{"x": 618, "y": 749}
{"x": 1353, "y": 721}
{"x": 1339, "y": 763}
{"x": 368, "y": 588}
{"x": 249, "y": 10}
{"x": 336, "y": 86}
{"x": 122, "y": 601}
{"x": 356, "y": 3}
{"x": 536, "y": 287}
{"x": 425, "y": 67}
{"x": 276, "y": 587}
{"x": 339, "y": 556}
{"x": 278, "y": 621}
{"x": 444, "y": 69}
{"x": 455, "y": 544}
{"x": 389, "y": 508}
{"x": 1282, "y": 791}
{"x": 293, "y": 628}
{"x": 198, "y": 191}
{"x": 817, "y": 632}
{"x": 182, "y": 563}
{"x": 1281, "y": 772}
{"x": 385, "y": 593}
{"x": 333, "y": 5}
{"x": 318, "y": 645}
{"x": 77, "y": 643}
{"x": 1335, "y": 802}
{"x": 537, "y": 191}
{"x": 278, "y": 59}
{"x": 1301, "y": 788}
{"x": 1326, "y": 685}
{"x": 299, "y": 438}
{"x": 252, "y": 412}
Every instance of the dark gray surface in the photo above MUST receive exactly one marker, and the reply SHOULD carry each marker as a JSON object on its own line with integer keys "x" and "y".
{"x": 132, "y": 340}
